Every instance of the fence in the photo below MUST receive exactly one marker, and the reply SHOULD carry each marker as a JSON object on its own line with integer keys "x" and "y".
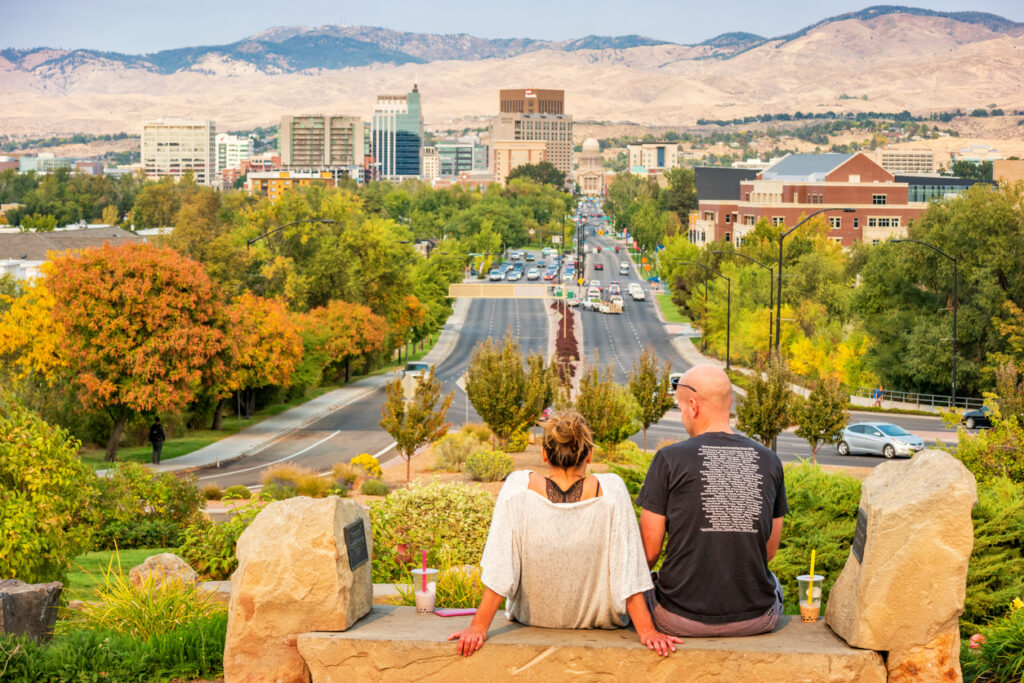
{"x": 922, "y": 400}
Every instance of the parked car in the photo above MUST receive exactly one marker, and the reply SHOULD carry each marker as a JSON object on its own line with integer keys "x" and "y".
{"x": 979, "y": 418}
{"x": 533, "y": 274}
{"x": 879, "y": 438}
{"x": 497, "y": 274}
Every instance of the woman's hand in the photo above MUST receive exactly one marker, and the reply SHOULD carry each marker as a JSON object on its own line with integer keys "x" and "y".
{"x": 470, "y": 638}
{"x": 659, "y": 642}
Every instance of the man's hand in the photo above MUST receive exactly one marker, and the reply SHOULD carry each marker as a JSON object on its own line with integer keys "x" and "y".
{"x": 470, "y": 638}
{"x": 659, "y": 642}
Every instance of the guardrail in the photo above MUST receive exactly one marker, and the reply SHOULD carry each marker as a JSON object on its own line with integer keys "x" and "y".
{"x": 932, "y": 400}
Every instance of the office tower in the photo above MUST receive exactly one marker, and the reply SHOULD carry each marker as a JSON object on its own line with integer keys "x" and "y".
{"x": 456, "y": 155}
{"x": 232, "y": 151}
{"x": 531, "y": 101}
{"x": 553, "y": 129}
{"x": 396, "y": 135}
{"x": 172, "y": 147}
{"x": 319, "y": 141}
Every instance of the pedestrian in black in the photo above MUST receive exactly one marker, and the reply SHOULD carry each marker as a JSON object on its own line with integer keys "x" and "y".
{"x": 156, "y": 437}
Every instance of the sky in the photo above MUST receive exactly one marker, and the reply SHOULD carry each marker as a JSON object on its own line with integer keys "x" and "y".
{"x": 144, "y": 26}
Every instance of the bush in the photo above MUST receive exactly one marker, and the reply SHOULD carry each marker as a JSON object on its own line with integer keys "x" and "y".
{"x": 314, "y": 486}
{"x": 993, "y": 453}
{"x": 213, "y": 492}
{"x": 518, "y": 441}
{"x": 452, "y": 450}
{"x": 344, "y": 475}
{"x": 481, "y": 431}
{"x": 368, "y": 464}
{"x": 458, "y": 586}
{"x": 237, "y": 492}
{"x": 210, "y": 548}
{"x": 288, "y": 480}
{"x": 46, "y": 497}
{"x": 450, "y": 521}
{"x": 487, "y": 465}
{"x": 144, "y": 533}
{"x": 997, "y": 652}
{"x": 374, "y": 487}
{"x": 194, "y": 650}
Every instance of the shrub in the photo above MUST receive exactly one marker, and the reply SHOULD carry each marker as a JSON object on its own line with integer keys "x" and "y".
{"x": 450, "y": 521}
{"x": 46, "y": 497}
{"x": 287, "y": 480}
{"x": 210, "y": 548}
{"x": 194, "y": 650}
{"x": 144, "y": 533}
{"x": 237, "y": 492}
{"x": 288, "y": 474}
{"x": 368, "y": 464}
{"x": 374, "y": 487}
{"x": 997, "y": 652}
{"x": 344, "y": 475}
{"x": 213, "y": 492}
{"x": 487, "y": 465}
{"x": 993, "y": 453}
{"x": 481, "y": 431}
{"x": 518, "y": 441}
{"x": 452, "y": 450}
{"x": 314, "y": 486}
{"x": 458, "y": 586}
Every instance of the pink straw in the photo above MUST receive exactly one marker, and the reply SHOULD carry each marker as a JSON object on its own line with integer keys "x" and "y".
{"x": 424, "y": 571}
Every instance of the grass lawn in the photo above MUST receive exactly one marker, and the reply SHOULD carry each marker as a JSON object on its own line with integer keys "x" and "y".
{"x": 88, "y": 570}
{"x": 669, "y": 309}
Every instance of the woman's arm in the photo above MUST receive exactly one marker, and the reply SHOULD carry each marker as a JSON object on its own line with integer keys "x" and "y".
{"x": 472, "y": 638}
{"x": 649, "y": 636}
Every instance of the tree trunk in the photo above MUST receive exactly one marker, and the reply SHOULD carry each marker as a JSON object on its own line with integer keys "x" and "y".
{"x": 251, "y": 407}
{"x": 408, "y": 468}
{"x": 645, "y": 439}
{"x": 115, "y": 438}
{"x": 218, "y": 410}
{"x": 348, "y": 372}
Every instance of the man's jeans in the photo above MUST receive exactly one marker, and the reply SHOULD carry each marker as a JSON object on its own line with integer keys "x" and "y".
{"x": 675, "y": 625}
{"x": 158, "y": 447}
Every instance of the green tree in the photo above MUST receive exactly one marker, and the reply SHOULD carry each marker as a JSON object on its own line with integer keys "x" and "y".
{"x": 508, "y": 396}
{"x": 418, "y": 421}
{"x": 648, "y": 225}
{"x": 609, "y": 408}
{"x": 767, "y": 408}
{"x": 649, "y": 385}
{"x": 823, "y": 415}
{"x": 39, "y": 223}
{"x": 681, "y": 194}
{"x": 542, "y": 172}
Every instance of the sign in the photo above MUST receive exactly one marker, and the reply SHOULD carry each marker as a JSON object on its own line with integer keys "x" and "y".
{"x": 580, "y": 281}
{"x": 600, "y": 232}
{"x": 643, "y": 259}
{"x": 355, "y": 544}
{"x": 556, "y": 239}
{"x": 647, "y": 266}
{"x": 860, "y": 534}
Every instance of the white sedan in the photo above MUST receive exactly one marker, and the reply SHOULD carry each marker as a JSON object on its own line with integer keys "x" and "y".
{"x": 533, "y": 274}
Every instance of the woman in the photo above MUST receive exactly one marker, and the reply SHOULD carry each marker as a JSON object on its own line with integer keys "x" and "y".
{"x": 565, "y": 549}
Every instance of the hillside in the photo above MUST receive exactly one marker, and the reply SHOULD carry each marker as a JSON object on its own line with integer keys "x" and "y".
{"x": 898, "y": 58}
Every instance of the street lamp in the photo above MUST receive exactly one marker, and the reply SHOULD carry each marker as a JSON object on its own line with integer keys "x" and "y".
{"x": 955, "y": 299}
{"x": 249, "y": 243}
{"x": 778, "y": 300}
{"x": 728, "y": 307}
{"x": 771, "y": 291}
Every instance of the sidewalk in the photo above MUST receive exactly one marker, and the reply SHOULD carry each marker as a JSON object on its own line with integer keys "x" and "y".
{"x": 251, "y": 439}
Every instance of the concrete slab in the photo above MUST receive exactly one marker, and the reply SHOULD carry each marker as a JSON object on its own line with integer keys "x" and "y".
{"x": 396, "y": 644}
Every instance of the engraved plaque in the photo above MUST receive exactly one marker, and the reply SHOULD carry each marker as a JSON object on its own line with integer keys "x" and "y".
{"x": 860, "y": 535}
{"x": 355, "y": 544}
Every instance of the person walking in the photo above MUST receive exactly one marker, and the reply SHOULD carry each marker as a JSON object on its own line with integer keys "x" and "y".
{"x": 156, "y": 437}
{"x": 878, "y": 397}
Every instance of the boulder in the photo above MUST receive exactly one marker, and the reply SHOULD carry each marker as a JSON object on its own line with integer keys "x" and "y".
{"x": 935, "y": 662}
{"x": 914, "y": 539}
{"x": 294, "y": 576}
{"x": 218, "y": 591}
{"x": 163, "y": 568}
{"x": 29, "y": 609}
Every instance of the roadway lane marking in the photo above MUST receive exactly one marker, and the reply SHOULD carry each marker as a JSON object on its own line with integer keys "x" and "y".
{"x": 611, "y": 341}
{"x": 287, "y": 457}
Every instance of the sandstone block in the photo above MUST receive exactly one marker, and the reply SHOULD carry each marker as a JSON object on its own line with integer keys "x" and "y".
{"x": 293, "y": 576}
{"x": 908, "y": 587}
{"x": 163, "y": 568}
{"x": 934, "y": 662}
{"x": 29, "y": 609}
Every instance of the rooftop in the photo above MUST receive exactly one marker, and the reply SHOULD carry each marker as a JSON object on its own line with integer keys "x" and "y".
{"x": 805, "y": 167}
{"x": 33, "y": 246}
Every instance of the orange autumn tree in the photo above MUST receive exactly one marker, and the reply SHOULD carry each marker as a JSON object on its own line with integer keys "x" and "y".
{"x": 263, "y": 348}
{"x": 410, "y": 317}
{"x": 342, "y": 331}
{"x": 141, "y": 324}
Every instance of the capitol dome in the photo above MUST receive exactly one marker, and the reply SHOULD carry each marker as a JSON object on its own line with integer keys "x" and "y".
{"x": 590, "y": 146}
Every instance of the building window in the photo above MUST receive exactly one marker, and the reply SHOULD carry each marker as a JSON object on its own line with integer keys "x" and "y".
{"x": 748, "y": 196}
{"x": 728, "y": 218}
{"x": 835, "y": 222}
{"x": 728, "y": 237}
{"x": 878, "y": 199}
{"x": 778, "y": 220}
{"x": 748, "y": 219}
{"x": 709, "y": 215}
{"x": 856, "y": 223}
{"x": 873, "y": 242}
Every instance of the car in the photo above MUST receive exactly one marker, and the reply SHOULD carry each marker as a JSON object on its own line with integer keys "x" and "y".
{"x": 514, "y": 275}
{"x": 533, "y": 274}
{"x": 673, "y": 380}
{"x": 549, "y": 275}
{"x": 496, "y": 274}
{"x": 624, "y": 268}
{"x": 616, "y": 299}
{"x": 531, "y": 256}
{"x": 979, "y": 418}
{"x": 594, "y": 291}
{"x": 637, "y": 292}
{"x": 546, "y": 251}
{"x": 598, "y": 266}
{"x": 416, "y": 369}
{"x": 568, "y": 275}
{"x": 541, "y": 264}
{"x": 879, "y": 438}
{"x": 596, "y": 283}
{"x": 592, "y": 303}
{"x": 614, "y": 288}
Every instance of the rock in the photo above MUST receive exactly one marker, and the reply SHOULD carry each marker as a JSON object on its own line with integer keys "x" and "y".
{"x": 293, "y": 576}
{"x": 219, "y": 591}
{"x": 163, "y": 568}
{"x": 937, "y": 661}
{"x": 909, "y": 586}
{"x": 29, "y": 609}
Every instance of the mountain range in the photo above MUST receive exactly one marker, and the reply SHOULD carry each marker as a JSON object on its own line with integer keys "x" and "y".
{"x": 898, "y": 57}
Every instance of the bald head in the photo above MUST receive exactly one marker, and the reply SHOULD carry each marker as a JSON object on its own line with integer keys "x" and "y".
{"x": 706, "y": 399}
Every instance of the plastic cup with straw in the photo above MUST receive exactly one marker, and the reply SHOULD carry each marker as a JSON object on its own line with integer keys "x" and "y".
{"x": 810, "y": 599}
{"x": 426, "y": 597}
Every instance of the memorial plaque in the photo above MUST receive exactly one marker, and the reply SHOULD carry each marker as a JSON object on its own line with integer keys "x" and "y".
{"x": 355, "y": 544}
{"x": 860, "y": 534}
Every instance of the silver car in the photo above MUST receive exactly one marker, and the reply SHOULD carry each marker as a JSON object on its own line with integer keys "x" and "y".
{"x": 879, "y": 438}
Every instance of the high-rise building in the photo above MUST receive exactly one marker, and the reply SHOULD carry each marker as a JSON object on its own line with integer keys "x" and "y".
{"x": 531, "y": 101}
{"x": 396, "y": 135}
{"x": 173, "y": 147}
{"x": 319, "y": 141}
{"x": 906, "y": 160}
{"x": 232, "y": 151}
{"x": 553, "y": 129}
{"x": 461, "y": 154}
{"x": 431, "y": 167}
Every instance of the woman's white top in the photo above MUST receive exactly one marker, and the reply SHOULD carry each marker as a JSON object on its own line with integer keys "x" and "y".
{"x": 565, "y": 565}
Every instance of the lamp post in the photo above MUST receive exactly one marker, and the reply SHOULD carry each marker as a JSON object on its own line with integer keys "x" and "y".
{"x": 771, "y": 291}
{"x": 268, "y": 233}
{"x": 728, "y": 307}
{"x": 778, "y": 300}
{"x": 955, "y": 299}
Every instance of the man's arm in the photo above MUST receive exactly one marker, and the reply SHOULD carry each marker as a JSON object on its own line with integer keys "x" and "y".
{"x": 652, "y": 533}
{"x": 773, "y": 542}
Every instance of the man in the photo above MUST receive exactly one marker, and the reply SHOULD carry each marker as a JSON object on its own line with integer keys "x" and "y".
{"x": 156, "y": 437}
{"x": 721, "y": 498}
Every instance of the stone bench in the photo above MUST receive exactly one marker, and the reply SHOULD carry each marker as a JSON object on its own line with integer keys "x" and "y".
{"x": 395, "y": 644}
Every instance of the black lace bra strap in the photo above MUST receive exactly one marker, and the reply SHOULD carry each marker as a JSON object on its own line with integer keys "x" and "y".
{"x": 573, "y": 494}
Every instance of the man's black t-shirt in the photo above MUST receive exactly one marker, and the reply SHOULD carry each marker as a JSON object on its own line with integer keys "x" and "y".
{"x": 719, "y": 493}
